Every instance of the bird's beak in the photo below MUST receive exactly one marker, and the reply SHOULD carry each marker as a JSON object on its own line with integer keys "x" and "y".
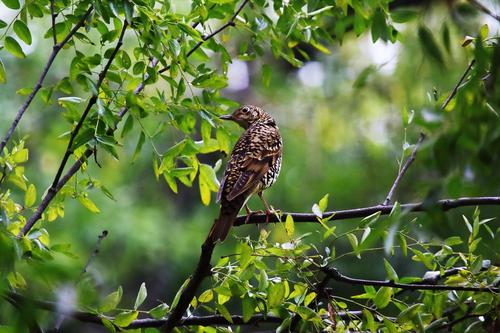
{"x": 226, "y": 117}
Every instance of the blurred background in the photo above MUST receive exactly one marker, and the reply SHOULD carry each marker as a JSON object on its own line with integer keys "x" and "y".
{"x": 341, "y": 120}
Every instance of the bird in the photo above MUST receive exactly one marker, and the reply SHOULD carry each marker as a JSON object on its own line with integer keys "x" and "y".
{"x": 254, "y": 166}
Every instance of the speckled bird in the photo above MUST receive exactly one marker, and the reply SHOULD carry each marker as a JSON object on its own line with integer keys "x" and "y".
{"x": 254, "y": 166}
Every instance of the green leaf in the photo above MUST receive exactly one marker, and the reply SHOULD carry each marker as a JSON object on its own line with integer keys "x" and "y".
{"x": 124, "y": 319}
{"x": 402, "y": 15}
{"x": 12, "y": 4}
{"x": 206, "y": 296}
{"x": 21, "y": 156}
{"x": 369, "y": 320}
{"x": 248, "y": 304}
{"x": 159, "y": 311}
{"x": 138, "y": 146}
{"x": 111, "y": 301}
{"x": 179, "y": 293}
{"x": 89, "y": 204}
{"x": 391, "y": 327}
{"x": 141, "y": 296}
{"x": 354, "y": 243}
{"x": 409, "y": 313}
{"x": 266, "y": 75}
{"x": 208, "y": 182}
{"x": 22, "y": 31}
{"x": 391, "y": 273}
{"x": 379, "y": 26}
{"x": 224, "y": 312}
{"x": 383, "y": 297}
{"x": 323, "y": 203}
{"x": 275, "y": 294}
{"x": 30, "y": 196}
{"x": 3, "y": 74}
{"x": 13, "y": 47}
{"x": 455, "y": 240}
{"x": 289, "y": 225}
{"x": 429, "y": 45}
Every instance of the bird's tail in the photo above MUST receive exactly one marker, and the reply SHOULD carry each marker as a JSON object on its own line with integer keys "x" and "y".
{"x": 222, "y": 225}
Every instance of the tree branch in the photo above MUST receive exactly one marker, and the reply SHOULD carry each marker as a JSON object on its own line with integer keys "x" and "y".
{"x": 55, "y": 51}
{"x": 203, "y": 269}
{"x": 213, "y": 320}
{"x": 53, "y": 18}
{"x": 484, "y": 9}
{"x": 444, "y": 204}
{"x": 403, "y": 170}
{"x": 229, "y": 23}
{"x": 94, "y": 253}
{"x": 457, "y": 86}
{"x": 56, "y": 185}
{"x": 334, "y": 274}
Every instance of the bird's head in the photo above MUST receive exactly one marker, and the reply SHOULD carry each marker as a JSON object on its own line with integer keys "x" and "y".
{"x": 247, "y": 115}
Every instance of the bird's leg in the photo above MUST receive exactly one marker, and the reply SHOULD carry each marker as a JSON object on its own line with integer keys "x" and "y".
{"x": 250, "y": 213}
{"x": 268, "y": 210}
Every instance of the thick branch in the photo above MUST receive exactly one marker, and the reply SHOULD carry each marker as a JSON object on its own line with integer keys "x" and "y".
{"x": 444, "y": 204}
{"x": 55, "y": 51}
{"x": 203, "y": 269}
{"x": 403, "y": 170}
{"x": 337, "y": 276}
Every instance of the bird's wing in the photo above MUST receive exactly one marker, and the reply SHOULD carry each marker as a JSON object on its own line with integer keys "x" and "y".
{"x": 221, "y": 188}
{"x": 256, "y": 164}
{"x": 253, "y": 170}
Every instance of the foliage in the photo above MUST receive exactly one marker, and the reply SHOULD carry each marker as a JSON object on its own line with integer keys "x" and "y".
{"x": 137, "y": 72}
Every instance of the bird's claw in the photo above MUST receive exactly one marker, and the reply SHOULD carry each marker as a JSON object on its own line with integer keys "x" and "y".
{"x": 250, "y": 213}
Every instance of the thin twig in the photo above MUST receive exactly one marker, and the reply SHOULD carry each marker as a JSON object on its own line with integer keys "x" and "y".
{"x": 334, "y": 274}
{"x": 55, "y": 51}
{"x": 53, "y": 17}
{"x": 229, "y": 23}
{"x": 94, "y": 253}
{"x": 403, "y": 170}
{"x": 484, "y": 9}
{"x": 444, "y": 204}
{"x": 457, "y": 86}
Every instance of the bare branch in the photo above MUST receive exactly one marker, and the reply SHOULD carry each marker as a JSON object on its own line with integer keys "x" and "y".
{"x": 484, "y": 9}
{"x": 94, "y": 253}
{"x": 403, "y": 170}
{"x": 457, "y": 86}
{"x": 55, "y": 51}
{"x": 444, "y": 204}
{"x": 203, "y": 269}
{"x": 334, "y": 274}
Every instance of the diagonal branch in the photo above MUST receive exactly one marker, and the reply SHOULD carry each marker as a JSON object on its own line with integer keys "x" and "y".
{"x": 55, "y": 51}
{"x": 403, "y": 170}
{"x": 203, "y": 269}
{"x": 484, "y": 9}
{"x": 444, "y": 204}
{"x": 56, "y": 183}
{"x": 334, "y": 274}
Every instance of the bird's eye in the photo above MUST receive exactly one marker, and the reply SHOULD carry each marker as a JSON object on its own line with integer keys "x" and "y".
{"x": 245, "y": 110}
